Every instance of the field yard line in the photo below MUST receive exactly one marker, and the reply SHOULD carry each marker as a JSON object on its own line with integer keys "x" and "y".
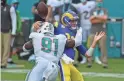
{"x": 94, "y": 74}
{"x": 15, "y": 70}
{"x": 91, "y": 74}
{"x": 12, "y": 80}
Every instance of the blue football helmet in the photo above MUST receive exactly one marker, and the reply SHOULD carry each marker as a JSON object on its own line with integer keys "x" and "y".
{"x": 70, "y": 20}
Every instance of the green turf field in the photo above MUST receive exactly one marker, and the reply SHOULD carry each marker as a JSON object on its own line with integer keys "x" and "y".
{"x": 115, "y": 71}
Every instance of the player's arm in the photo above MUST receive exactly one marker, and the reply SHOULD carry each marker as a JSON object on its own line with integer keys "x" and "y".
{"x": 77, "y": 41}
{"x": 70, "y": 43}
{"x": 89, "y": 52}
{"x": 49, "y": 15}
{"x": 38, "y": 24}
{"x": 97, "y": 37}
{"x": 78, "y": 37}
{"x": 81, "y": 49}
{"x": 28, "y": 46}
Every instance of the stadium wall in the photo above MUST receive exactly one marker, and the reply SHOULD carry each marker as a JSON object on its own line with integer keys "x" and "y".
{"x": 115, "y": 11}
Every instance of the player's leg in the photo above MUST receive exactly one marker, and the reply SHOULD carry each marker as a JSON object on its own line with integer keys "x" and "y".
{"x": 37, "y": 72}
{"x": 51, "y": 72}
{"x": 64, "y": 71}
{"x": 75, "y": 74}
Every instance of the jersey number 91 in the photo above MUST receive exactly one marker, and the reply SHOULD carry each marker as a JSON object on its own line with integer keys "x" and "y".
{"x": 48, "y": 44}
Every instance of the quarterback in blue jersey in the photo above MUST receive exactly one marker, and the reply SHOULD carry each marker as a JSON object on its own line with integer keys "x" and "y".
{"x": 70, "y": 31}
{"x": 69, "y": 27}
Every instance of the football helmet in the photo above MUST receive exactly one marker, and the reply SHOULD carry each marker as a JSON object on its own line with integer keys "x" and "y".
{"x": 70, "y": 19}
{"x": 46, "y": 27}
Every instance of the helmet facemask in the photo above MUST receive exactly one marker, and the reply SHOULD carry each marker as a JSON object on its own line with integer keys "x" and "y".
{"x": 70, "y": 20}
{"x": 46, "y": 28}
{"x": 73, "y": 24}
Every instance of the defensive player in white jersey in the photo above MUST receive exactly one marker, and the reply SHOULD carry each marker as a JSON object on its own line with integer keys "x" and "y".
{"x": 85, "y": 8}
{"x": 48, "y": 49}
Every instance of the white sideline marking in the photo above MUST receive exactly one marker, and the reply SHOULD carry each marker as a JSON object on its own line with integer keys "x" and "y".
{"x": 90, "y": 74}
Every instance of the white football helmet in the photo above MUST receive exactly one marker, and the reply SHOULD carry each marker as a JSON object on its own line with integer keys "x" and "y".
{"x": 46, "y": 27}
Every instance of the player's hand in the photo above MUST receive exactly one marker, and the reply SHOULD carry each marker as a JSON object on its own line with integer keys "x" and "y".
{"x": 97, "y": 37}
{"x": 70, "y": 43}
{"x": 37, "y": 25}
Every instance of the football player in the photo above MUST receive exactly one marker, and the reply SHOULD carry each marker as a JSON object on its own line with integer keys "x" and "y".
{"x": 48, "y": 49}
{"x": 69, "y": 28}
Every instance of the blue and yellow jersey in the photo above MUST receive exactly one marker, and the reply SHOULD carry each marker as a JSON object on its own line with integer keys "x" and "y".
{"x": 70, "y": 52}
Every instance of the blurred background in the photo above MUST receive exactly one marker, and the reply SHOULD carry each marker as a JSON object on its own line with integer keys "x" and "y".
{"x": 22, "y": 62}
{"x": 114, "y": 29}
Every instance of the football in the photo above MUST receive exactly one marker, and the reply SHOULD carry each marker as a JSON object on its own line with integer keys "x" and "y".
{"x": 42, "y": 10}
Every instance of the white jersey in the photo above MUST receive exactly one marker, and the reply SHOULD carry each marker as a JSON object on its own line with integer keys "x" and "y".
{"x": 55, "y": 3}
{"x": 85, "y": 12}
{"x": 48, "y": 47}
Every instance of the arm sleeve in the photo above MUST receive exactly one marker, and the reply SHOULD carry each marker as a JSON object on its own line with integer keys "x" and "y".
{"x": 33, "y": 35}
{"x": 28, "y": 46}
{"x": 78, "y": 37}
{"x": 62, "y": 38}
{"x": 14, "y": 20}
{"x": 89, "y": 52}
{"x": 81, "y": 49}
